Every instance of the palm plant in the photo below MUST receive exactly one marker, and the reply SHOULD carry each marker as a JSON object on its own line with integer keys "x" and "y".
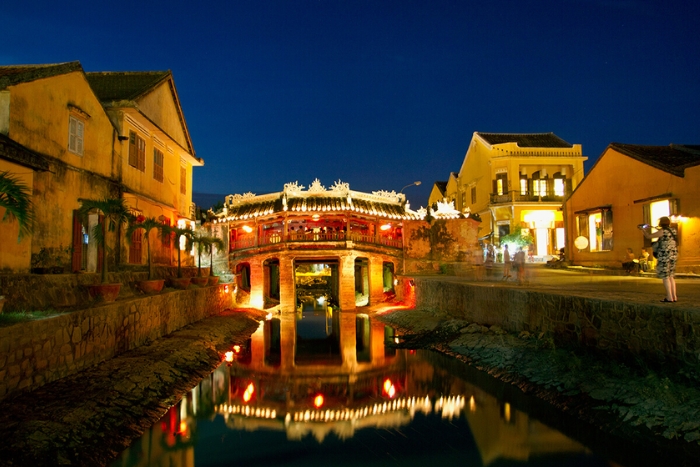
{"x": 179, "y": 233}
{"x": 205, "y": 244}
{"x": 15, "y": 197}
{"x": 115, "y": 212}
{"x": 147, "y": 225}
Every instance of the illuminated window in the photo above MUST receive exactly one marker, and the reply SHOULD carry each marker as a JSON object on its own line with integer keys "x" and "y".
{"x": 558, "y": 187}
{"x": 76, "y": 129}
{"x": 597, "y": 227}
{"x": 158, "y": 165}
{"x": 523, "y": 186}
{"x": 137, "y": 151}
{"x": 501, "y": 184}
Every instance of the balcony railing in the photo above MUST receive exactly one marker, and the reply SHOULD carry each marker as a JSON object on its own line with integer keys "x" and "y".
{"x": 314, "y": 237}
{"x": 517, "y": 196}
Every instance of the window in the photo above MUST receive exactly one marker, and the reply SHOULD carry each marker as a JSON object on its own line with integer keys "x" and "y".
{"x": 158, "y": 165}
{"x": 183, "y": 180}
{"x": 523, "y": 186}
{"x": 473, "y": 195}
{"x": 597, "y": 227}
{"x": 501, "y": 184}
{"x": 558, "y": 187}
{"x": 76, "y": 129}
{"x": 137, "y": 151}
{"x": 655, "y": 210}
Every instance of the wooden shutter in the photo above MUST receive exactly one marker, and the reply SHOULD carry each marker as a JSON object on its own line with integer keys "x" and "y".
{"x": 141, "y": 143}
{"x": 133, "y": 158}
{"x": 135, "y": 247}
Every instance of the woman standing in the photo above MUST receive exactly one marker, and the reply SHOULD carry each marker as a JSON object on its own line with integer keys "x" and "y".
{"x": 666, "y": 256}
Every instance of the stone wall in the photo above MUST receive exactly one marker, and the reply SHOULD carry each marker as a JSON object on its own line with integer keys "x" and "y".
{"x": 36, "y": 352}
{"x": 620, "y": 328}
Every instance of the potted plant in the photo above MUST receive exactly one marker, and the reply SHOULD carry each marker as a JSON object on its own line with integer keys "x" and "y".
{"x": 114, "y": 213}
{"x": 205, "y": 244}
{"x": 180, "y": 282}
{"x": 151, "y": 285}
{"x": 218, "y": 243}
{"x": 15, "y": 197}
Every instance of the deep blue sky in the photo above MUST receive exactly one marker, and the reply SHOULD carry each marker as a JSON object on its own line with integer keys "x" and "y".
{"x": 382, "y": 93}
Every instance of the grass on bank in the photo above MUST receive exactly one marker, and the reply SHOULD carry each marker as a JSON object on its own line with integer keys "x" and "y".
{"x": 8, "y": 318}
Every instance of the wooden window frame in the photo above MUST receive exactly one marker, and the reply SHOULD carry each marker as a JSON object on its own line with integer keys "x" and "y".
{"x": 137, "y": 151}
{"x": 158, "y": 164}
{"x": 76, "y": 135}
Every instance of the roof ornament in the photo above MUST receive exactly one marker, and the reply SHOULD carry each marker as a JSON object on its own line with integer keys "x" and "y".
{"x": 340, "y": 187}
{"x": 316, "y": 187}
{"x": 284, "y": 201}
{"x": 293, "y": 188}
{"x": 445, "y": 210}
{"x": 235, "y": 200}
{"x": 389, "y": 195}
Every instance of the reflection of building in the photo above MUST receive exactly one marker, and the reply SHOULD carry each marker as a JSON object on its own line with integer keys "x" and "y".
{"x": 310, "y": 249}
{"x": 519, "y": 180}
{"x": 268, "y": 387}
{"x": 631, "y": 185}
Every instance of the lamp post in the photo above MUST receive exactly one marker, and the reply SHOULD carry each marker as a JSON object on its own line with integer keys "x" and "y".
{"x": 416, "y": 183}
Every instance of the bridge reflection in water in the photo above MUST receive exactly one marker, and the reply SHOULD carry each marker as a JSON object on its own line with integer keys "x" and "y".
{"x": 325, "y": 388}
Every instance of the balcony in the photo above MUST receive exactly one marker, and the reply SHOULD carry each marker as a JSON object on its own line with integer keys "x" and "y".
{"x": 311, "y": 238}
{"x": 518, "y": 197}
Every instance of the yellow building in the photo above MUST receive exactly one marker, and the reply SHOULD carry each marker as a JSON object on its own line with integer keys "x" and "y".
{"x": 631, "y": 185}
{"x": 67, "y": 136}
{"x": 157, "y": 157}
{"x": 50, "y": 117}
{"x": 512, "y": 180}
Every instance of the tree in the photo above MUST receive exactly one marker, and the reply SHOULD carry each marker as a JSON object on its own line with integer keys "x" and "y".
{"x": 15, "y": 197}
{"x": 205, "y": 244}
{"x": 147, "y": 225}
{"x": 179, "y": 233}
{"x": 115, "y": 212}
{"x": 517, "y": 238}
{"x": 210, "y": 243}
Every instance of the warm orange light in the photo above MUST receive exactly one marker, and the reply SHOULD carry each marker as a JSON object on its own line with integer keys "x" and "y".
{"x": 315, "y": 217}
{"x": 247, "y": 228}
{"x": 389, "y": 388}
{"x": 229, "y": 356}
{"x": 385, "y": 227}
{"x": 183, "y": 427}
{"x": 226, "y": 289}
{"x": 318, "y": 401}
{"x": 248, "y": 394}
{"x": 237, "y": 348}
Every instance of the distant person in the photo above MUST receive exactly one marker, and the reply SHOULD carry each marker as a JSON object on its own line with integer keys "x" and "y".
{"x": 630, "y": 263}
{"x": 519, "y": 261}
{"x": 666, "y": 255}
{"x": 645, "y": 261}
{"x": 506, "y": 262}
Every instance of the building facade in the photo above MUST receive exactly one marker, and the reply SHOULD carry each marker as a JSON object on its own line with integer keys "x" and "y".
{"x": 631, "y": 185}
{"x": 519, "y": 180}
{"x": 68, "y": 139}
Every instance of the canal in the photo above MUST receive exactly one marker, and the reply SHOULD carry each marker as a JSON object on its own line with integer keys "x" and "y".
{"x": 320, "y": 388}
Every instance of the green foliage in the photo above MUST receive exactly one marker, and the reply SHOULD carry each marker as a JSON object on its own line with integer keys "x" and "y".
{"x": 15, "y": 197}
{"x": 517, "y": 238}
{"x": 147, "y": 225}
{"x": 179, "y": 233}
{"x": 115, "y": 212}
{"x": 11, "y": 317}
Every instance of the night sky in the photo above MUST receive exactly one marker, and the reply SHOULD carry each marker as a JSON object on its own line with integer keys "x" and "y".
{"x": 382, "y": 93}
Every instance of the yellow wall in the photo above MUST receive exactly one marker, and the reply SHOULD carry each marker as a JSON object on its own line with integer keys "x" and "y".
{"x": 14, "y": 254}
{"x": 39, "y": 120}
{"x": 619, "y": 180}
{"x": 161, "y": 108}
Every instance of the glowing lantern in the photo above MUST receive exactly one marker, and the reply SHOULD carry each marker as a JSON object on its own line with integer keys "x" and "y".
{"x": 248, "y": 394}
{"x": 318, "y": 401}
{"x": 247, "y": 228}
{"x": 385, "y": 227}
{"x": 237, "y": 348}
{"x": 229, "y": 356}
{"x": 389, "y": 389}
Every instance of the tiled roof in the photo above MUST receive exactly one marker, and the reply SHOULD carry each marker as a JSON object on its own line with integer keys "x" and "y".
{"x": 673, "y": 159}
{"x": 15, "y": 74}
{"x": 441, "y": 186}
{"x": 316, "y": 204}
{"x": 526, "y": 140}
{"x": 120, "y": 86}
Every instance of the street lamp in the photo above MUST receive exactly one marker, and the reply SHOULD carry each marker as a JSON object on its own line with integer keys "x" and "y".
{"x": 416, "y": 183}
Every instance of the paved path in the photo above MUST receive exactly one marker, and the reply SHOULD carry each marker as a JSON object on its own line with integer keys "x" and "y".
{"x": 592, "y": 282}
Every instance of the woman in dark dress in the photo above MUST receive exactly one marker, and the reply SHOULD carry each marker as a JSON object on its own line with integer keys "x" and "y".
{"x": 667, "y": 255}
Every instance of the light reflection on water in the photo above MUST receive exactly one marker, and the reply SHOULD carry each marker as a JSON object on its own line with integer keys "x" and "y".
{"x": 343, "y": 397}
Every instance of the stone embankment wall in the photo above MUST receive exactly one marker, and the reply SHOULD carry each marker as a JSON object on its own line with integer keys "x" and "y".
{"x": 621, "y": 328}
{"x": 37, "y": 352}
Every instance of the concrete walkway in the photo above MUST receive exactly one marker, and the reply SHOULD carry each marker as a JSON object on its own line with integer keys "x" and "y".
{"x": 591, "y": 282}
